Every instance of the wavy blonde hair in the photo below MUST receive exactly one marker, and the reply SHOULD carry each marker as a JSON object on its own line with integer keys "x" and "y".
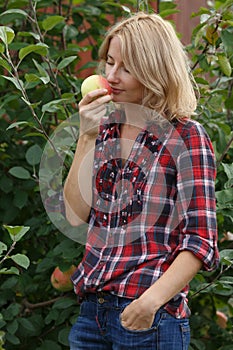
{"x": 154, "y": 55}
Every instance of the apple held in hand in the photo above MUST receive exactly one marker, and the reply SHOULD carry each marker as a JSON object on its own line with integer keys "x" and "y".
{"x": 61, "y": 280}
{"x": 94, "y": 82}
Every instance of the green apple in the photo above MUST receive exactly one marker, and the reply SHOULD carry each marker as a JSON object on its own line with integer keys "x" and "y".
{"x": 61, "y": 281}
{"x": 94, "y": 82}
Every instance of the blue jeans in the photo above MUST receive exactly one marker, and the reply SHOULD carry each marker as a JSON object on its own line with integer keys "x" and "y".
{"x": 98, "y": 327}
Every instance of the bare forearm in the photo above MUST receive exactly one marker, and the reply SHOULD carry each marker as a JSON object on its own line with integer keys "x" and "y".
{"x": 178, "y": 275}
{"x": 140, "y": 313}
{"x": 77, "y": 189}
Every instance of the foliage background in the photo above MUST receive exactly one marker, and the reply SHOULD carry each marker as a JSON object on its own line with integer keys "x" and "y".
{"x": 41, "y": 43}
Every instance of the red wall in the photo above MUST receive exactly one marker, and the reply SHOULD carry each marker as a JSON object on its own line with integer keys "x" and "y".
{"x": 184, "y": 22}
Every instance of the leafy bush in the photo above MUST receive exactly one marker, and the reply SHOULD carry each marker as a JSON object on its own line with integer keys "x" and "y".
{"x": 41, "y": 44}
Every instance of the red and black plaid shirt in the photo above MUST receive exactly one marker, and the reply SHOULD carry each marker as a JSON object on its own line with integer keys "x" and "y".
{"x": 146, "y": 211}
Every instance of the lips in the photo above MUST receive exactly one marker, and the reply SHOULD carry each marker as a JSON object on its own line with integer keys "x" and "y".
{"x": 116, "y": 91}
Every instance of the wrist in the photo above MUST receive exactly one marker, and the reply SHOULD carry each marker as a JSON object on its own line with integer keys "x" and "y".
{"x": 152, "y": 300}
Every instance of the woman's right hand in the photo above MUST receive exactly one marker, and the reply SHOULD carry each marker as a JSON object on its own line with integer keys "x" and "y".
{"x": 92, "y": 108}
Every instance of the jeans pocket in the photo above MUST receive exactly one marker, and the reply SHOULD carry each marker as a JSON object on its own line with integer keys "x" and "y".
{"x": 152, "y": 329}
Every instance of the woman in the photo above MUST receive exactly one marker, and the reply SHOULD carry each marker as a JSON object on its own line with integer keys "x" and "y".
{"x": 143, "y": 179}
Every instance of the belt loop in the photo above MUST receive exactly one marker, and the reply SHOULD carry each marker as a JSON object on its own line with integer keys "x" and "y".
{"x": 117, "y": 301}
{"x": 80, "y": 299}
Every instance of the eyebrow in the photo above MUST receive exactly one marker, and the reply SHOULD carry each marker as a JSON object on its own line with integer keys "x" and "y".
{"x": 109, "y": 56}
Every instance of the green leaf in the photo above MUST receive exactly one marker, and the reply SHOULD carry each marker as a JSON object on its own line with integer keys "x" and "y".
{"x": 226, "y": 347}
{"x": 2, "y": 335}
{"x": 2, "y": 48}
{"x": 126, "y": 8}
{"x": 40, "y": 49}
{"x": 21, "y": 260}
{"x": 16, "y": 124}
{"x": 26, "y": 34}
{"x": 65, "y": 62}
{"x": 3, "y": 247}
{"x": 33, "y": 105}
{"x": 51, "y": 21}
{"x": 20, "y": 172}
{"x": 11, "y": 271}
{"x": 63, "y": 303}
{"x": 199, "y": 345}
{"x": 11, "y": 338}
{"x": 17, "y": 82}
{"x": 165, "y": 5}
{"x": 168, "y": 12}
{"x": 20, "y": 199}
{"x": 226, "y": 36}
{"x": 224, "y": 64}
{"x": 12, "y": 326}
{"x": 198, "y": 33}
{"x": 44, "y": 76}
{"x": 63, "y": 336}
{"x": 226, "y": 279}
{"x": 33, "y": 155}
{"x": 25, "y": 323}
{"x": 229, "y": 103}
{"x": 202, "y": 81}
{"x": 6, "y": 35}
{"x": 211, "y": 35}
{"x": 5, "y": 64}
{"x": 225, "y": 196}
{"x": 31, "y": 77}
{"x": 15, "y": 11}
{"x": 226, "y": 254}
{"x": 53, "y": 106}
{"x": 12, "y": 311}
{"x": 224, "y": 290}
{"x": 227, "y": 3}
{"x": 45, "y": 80}
{"x": 16, "y": 232}
{"x": 48, "y": 345}
{"x": 228, "y": 169}
{"x": 78, "y": 2}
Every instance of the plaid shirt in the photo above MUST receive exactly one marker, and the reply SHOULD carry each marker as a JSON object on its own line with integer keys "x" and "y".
{"x": 146, "y": 211}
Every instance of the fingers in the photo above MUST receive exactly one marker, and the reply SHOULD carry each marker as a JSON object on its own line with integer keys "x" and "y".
{"x": 135, "y": 317}
{"x": 98, "y": 96}
{"x": 91, "y": 110}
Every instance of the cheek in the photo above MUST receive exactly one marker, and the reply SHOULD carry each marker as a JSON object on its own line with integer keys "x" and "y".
{"x": 136, "y": 85}
{"x": 106, "y": 71}
{"x": 139, "y": 90}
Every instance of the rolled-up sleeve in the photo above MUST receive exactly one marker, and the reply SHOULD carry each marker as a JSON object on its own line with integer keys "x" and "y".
{"x": 196, "y": 188}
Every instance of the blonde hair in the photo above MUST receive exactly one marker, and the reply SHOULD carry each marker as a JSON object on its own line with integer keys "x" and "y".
{"x": 153, "y": 54}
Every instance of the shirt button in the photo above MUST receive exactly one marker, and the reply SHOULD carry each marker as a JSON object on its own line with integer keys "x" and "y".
{"x": 101, "y": 300}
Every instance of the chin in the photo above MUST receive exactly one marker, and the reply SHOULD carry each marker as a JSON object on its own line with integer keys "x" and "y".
{"x": 119, "y": 99}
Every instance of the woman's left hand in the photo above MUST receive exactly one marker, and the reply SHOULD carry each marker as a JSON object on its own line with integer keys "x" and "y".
{"x": 138, "y": 315}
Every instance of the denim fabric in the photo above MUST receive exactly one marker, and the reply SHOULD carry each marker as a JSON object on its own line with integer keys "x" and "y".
{"x": 98, "y": 327}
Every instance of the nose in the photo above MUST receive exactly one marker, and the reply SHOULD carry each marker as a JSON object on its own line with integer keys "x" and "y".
{"x": 112, "y": 75}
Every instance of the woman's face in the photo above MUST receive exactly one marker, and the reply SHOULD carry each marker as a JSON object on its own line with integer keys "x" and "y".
{"x": 125, "y": 88}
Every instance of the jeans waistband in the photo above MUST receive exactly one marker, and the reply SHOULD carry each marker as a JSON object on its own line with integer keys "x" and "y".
{"x": 104, "y": 298}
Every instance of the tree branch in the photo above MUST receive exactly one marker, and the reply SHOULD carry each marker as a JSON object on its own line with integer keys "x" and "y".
{"x": 32, "y": 306}
{"x": 12, "y": 247}
{"x": 222, "y": 271}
